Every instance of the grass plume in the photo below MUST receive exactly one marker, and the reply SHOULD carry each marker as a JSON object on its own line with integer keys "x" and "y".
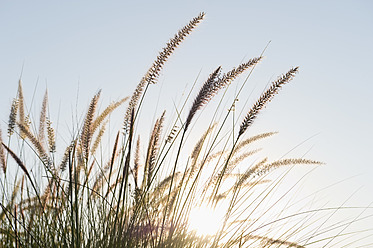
{"x": 214, "y": 83}
{"x": 2, "y": 154}
{"x": 87, "y": 131}
{"x": 13, "y": 116}
{"x": 152, "y": 74}
{"x": 205, "y": 188}
{"x": 43, "y": 117}
{"x": 265, "y": 98}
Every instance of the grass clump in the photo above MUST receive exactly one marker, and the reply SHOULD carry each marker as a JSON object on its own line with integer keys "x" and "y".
{"x": 154, "y": 197}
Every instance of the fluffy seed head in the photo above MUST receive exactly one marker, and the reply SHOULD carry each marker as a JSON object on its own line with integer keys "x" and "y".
{"x": 265, "y": 98}
{"x": 152, "y": 74}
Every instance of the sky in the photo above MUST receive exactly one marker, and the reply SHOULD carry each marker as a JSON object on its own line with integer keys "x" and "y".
{"x": 75, "y": 48}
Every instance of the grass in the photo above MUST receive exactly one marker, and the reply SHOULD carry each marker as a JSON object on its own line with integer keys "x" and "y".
{"x": 163, "y": 195}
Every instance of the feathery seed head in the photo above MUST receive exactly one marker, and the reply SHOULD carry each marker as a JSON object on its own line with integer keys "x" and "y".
{"x": 51, "y": 136}
{"x": 235, "y": 72}
{"x": 251, "y": 171}
{"x": 137, "y": 161}
{"x": 65, "y": 158}
{"x": 12, "y": 116}
{"x": 154, "y": 147}
{"x": 265, "y": 168}
{"x": 251, "y": 140}
{"x": 208, "y": 90}
{"x": 99, "y": 136}
{"x": 214, "y": 83}
{"x": 2, "y": 153}
{"x": 265, "y": 98}
{"x": 86, "y": 135}
{"x": 109, "y": 109}
{"x": 37, "y": 144}
{"x": 198, "y": 146}
{"x": 21, "y": 108}
{"x": 43, "y": 117}
{"x": 152, "y": 74}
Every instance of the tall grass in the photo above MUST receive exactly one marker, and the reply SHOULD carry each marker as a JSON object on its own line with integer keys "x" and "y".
{"x": 79, "y": 196}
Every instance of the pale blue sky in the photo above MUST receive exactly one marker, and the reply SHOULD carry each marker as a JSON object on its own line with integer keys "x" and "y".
{"x": 108, "y": 45}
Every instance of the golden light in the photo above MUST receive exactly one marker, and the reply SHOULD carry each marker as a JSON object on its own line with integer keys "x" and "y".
{"x": 206, "y": 221}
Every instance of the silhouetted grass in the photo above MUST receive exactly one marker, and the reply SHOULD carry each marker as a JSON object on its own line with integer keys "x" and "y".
{"x": 82, "y": 197}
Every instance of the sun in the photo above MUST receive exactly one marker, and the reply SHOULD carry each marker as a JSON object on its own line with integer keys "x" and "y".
{"x": 206, "y": 221}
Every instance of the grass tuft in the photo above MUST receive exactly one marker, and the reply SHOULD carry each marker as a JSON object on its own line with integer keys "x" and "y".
{"x": 188, "y": 185}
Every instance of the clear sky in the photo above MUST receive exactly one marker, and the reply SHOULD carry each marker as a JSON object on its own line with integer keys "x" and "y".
{"x": 83, "y": 46}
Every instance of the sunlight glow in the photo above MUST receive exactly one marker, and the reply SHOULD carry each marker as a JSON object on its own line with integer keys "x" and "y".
{"x": 206, "y": 221}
